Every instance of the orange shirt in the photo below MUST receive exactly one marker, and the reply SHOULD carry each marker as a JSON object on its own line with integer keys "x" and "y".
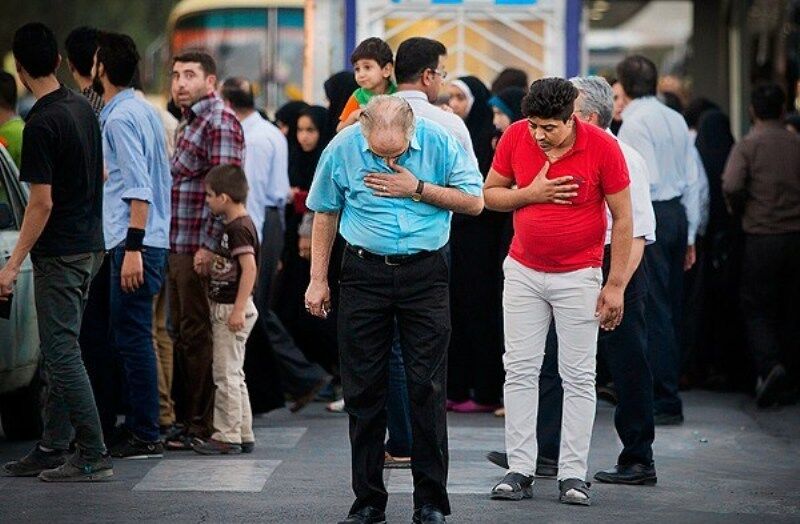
{"x": 349, "y": 107}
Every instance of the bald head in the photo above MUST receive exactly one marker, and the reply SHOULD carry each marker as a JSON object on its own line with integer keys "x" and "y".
{"x": 238, "y": 92}
{"x": 388, "y": 125}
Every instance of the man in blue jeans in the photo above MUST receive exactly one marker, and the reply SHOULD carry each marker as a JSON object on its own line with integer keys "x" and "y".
{"x": 136, "y": 223}
{"x": 63, "y": 232}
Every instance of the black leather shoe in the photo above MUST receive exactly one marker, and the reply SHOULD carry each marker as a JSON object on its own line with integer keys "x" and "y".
{"x": 631, "y": 474}
{"x": 366, "y": 515}
{"x": 545, "y": 467}
{"x": 428, "y": 515}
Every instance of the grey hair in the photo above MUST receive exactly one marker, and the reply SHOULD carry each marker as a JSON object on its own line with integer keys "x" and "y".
{"x": 387, "y": 112}
{"x": 598, "y": 97}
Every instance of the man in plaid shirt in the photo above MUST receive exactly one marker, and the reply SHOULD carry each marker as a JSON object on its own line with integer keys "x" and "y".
{"x": 209, "y": 135}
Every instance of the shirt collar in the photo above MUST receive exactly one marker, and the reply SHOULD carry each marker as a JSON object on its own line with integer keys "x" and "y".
{"x": 413, "y": 94}
{"x": 203, "y": 105}
{"x": 48, "y": 99}
{"x": 125, "y": 94}
{"x": 580, "y": 135}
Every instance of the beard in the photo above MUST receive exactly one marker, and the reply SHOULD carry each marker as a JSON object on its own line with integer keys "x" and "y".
{"x": 97, "y": 85}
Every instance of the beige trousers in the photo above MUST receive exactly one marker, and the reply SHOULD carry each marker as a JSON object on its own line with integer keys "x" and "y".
{"x": 233, "y": 419}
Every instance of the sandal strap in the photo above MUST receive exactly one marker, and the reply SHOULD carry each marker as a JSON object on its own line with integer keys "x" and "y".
{"x": 515, "y": 480}
{"x": 576, "y": 484}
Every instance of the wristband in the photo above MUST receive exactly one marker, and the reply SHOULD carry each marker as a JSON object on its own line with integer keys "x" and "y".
{"x": 134, "y": 240}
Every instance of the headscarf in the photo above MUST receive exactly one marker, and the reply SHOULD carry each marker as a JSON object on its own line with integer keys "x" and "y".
{"x": 288, "y": 115}
{"x": 714, "y": 143}
{"x": 479, "y": 121}
{"x": 338, "y": 89}
{"x": 464, "y": 88}
{"x": 303, "y": 164}
{"x": 509, "y": 101}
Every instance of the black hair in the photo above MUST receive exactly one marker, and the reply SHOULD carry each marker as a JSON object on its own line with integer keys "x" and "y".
{"x": 672, "y": 101}
{"x": 81, "y": 44}
{"x": 206, "y": 61}
{"x": 118, "y": 54}
{"x": 695, "y": 110}
{"x": 8, "y": 91}
{"x": 229, "y": 180}
{"x": 767, "y": 101}
{"x": 238, "y": 92}
{"x": 373, "y": 49}
{"x": 638, "y": 76}
{"x": 36, "y": 49}
{"x": 509, "y": 77}
{"x": 550, "y": 98}
{"x": 414, "y": 56}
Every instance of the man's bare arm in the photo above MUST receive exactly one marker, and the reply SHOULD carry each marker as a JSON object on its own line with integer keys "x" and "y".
{"x": 621, "y": 236}
{"x": 501, "y": 196}
{"x": 323, "y": 233}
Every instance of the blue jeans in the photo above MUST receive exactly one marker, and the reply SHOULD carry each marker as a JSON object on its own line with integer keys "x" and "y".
{"x": 398, "y": 410}
{"x": 132, "y": 333}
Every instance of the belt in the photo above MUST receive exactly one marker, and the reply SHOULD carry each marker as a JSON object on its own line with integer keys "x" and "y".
{"x": 389, "y": 260}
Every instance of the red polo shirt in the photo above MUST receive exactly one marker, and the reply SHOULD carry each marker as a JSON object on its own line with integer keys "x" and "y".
{"x": 556, "y": 238}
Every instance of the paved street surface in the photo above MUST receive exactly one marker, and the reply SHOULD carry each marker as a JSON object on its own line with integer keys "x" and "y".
{"x": 727, "y": 463}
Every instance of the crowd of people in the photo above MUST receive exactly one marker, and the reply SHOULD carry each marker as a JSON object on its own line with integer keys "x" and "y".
{"x": 519, "y": 250}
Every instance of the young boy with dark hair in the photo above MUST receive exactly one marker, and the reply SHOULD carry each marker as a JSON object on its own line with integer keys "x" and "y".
{"x": 233, "y": 312}
{"x": 373, "y": 65}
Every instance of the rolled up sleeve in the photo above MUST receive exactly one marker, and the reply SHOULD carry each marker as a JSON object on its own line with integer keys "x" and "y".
{"x": 128, "y": 147}
{"x": 463, "y": 172}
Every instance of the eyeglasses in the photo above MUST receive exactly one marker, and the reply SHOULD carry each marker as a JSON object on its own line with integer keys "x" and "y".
{"x": 443, "y": 74}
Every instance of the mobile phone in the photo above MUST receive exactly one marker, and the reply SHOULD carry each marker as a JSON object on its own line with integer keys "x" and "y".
{"x": 5, "y": 307}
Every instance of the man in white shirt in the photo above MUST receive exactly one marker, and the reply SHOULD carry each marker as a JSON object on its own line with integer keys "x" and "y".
{"x": 624, "y": 349}
{"x": 661, "y": 136}
{"x": 420, "y": 72}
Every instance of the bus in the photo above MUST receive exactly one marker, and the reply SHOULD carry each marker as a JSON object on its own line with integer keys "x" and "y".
{"x": 261, "y": 40}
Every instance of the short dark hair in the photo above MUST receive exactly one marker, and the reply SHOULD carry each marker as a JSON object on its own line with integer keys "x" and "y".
{"x": 81, "y": 44}
{"x": 8, "y": 91}
{"x": 117, "y": 53}
{"x": 767, "y": 101}
{"x": 510, "y": 77}
{"x": 414, "y": 56}
{"x": 229, "y": 180}
{"x": 36, "y": 49}
{"x": 550, "y": 98}
{"x": 672, "y": 101}
{"x": 373, "y": 49}
{"x": 238, "y": 92}
{"x": 206, "y": 61}
{"x": 638, "y": 76}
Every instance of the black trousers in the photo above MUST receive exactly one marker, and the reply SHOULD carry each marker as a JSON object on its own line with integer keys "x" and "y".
{"x": 475, "y": 361}
{"x": 624, "y": 352}
{"x": 373, "y": 296}
{"x": 665, "y": 261}
{"x": 770, "y": 287}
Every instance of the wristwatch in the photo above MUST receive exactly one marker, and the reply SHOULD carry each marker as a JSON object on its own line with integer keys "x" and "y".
{"x": 416, "y": 196}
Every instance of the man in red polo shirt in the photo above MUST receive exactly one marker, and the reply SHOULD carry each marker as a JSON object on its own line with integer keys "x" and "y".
{"x": 557, "y": 174}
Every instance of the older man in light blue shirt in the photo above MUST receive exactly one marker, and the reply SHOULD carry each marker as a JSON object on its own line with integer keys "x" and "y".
{"x": 136, "y": 217}
{"x": 395, "y": 182}
{"x": 661, "y": 136}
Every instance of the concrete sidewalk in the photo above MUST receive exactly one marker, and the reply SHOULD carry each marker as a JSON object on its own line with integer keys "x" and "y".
{"x": 727, "y": 463}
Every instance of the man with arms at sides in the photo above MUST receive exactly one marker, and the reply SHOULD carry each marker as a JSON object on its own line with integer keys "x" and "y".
{"x": 661, "y": 136}
{"x": 394, "y": 181}
{"x": 565, "y": 172}
{"x": 62, "y": 160}
{"x": 136, "y": 225}
{"x": 210, "y": 136}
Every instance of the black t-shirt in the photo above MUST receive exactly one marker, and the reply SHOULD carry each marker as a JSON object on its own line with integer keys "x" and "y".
{"x": 239, "y": 238}
{"x": 62, "y": 147}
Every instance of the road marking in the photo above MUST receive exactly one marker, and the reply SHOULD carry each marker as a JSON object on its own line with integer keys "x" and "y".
{"x": 205, "y": 474}
{"x": 278, "y": 438}
{"x": 464, "y": 478}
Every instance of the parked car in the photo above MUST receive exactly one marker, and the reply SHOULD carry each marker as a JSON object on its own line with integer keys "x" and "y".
{"x": 21, "y": 386}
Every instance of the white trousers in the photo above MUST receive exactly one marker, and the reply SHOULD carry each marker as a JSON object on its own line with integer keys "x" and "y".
{"x": 530, "y": 300}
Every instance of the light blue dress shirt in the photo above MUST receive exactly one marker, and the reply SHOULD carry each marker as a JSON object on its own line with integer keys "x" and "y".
{"x": 661, "y": 136}
{"x": 266, "y": 166}
{"x": 135, "y": 157}
{"x": 391, "y": 226}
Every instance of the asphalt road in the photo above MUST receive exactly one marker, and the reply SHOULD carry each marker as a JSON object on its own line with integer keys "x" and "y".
{"x": 726, "y": 463}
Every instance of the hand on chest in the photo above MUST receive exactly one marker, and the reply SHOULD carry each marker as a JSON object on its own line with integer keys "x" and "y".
{"x": 583, "y": 172}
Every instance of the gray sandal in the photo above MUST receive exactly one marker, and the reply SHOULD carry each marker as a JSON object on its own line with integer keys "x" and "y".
{"x": 564, "y": 486}
{"x": 521, "y": 487}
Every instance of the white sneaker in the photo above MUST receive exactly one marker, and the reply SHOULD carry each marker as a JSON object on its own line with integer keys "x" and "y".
{"x": 336, "y": 407}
